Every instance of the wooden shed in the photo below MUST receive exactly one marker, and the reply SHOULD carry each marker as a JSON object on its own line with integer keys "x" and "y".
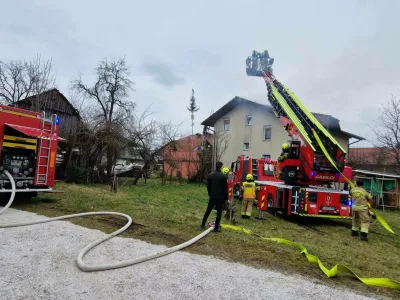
{"x": 384, "y": 187}
{"x": 53, "y": 102}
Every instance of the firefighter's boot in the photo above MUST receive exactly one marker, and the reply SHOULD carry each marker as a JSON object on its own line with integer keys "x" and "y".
{"x": 354, "y": 233}
{"x": 364, "y": 236}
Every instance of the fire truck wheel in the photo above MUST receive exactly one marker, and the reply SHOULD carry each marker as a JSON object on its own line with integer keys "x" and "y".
{"x": 26, "y": 196}
{"x": 5, "y": 197}
{"x": 236, "y": 193}
{"x": 270, "y": 205}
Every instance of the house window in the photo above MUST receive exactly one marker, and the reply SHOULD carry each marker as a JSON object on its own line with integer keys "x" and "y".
{"x": 246, "y": 146}
{"x": 227, "y": 124}
{"x": 267, "y": 133}
{"x": 266, "y": 156}
{"x": 248, "y": 120}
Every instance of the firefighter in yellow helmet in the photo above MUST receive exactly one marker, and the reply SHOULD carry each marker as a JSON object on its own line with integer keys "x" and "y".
{"x": 285, "y": 152}
{"x": 249, "y": 195}
{"x": 361, "y": 213}
{"x": 225, "y": 171}
{"x": 230, "y": 206}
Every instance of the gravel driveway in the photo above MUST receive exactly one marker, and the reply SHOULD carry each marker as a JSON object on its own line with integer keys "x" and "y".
{"x": 38, "y": 262}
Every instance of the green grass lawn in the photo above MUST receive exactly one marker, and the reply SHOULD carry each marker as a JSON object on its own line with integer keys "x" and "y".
{"x": 172, "y": 214}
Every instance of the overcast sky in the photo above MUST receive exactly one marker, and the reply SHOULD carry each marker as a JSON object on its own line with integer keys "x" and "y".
{"x": 340, "y": 57}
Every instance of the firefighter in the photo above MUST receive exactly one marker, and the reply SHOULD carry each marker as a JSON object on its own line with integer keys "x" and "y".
{"x": 230, "y": 207}
{"x": 249, "y": 195}
{"x": 285, "y": 152}
{"x": 361, "y": 212}
{"x": 217, "y": 188}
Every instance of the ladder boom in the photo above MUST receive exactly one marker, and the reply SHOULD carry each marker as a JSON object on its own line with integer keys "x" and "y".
{"x": 286, "y": 104}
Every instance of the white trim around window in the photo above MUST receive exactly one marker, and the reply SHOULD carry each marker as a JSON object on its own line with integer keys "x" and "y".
{"x": 226, "y": 124}
{"x": 267, "y": 133}
{"x": 249, "y": 120}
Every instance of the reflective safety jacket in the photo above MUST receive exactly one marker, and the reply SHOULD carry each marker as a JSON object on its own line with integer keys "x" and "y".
{"x": 249, "y": 190}
{"x": 284, "y": 155}
{"x": 360, "y": 198}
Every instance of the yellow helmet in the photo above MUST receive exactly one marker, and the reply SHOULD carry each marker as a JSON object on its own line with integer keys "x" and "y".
{"x": 225, "y": 170}
{"x": 249, "y": 177}
{"x": 285, "y": 146}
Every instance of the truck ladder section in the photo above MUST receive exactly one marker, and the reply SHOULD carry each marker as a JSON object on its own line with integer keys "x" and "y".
{"x": 254, "y": 168}
{"x": 45, "y": 144}
{"x": 287, "y": 105}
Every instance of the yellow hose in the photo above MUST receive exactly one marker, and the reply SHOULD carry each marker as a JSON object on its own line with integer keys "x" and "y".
{"x": 380, "y": 282}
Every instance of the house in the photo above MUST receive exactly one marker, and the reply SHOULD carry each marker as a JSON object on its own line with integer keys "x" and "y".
{"x": 53, "y": 102}
{"x": 187, "y": 156}
{"x": 254, "y": 130}
{"x": 374, "y": 159}
{"x": 371, "y": 156}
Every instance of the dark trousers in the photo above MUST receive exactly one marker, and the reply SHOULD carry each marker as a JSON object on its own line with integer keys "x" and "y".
{"x": 219, "y": 204}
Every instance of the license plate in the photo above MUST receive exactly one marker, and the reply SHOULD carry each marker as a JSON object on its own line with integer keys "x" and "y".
{"x": 328, "y": 208}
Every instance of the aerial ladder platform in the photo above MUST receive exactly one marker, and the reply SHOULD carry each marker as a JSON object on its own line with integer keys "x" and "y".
{"x": 301, "y": 125}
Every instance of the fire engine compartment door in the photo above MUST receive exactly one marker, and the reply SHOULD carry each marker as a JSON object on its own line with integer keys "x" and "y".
{"x": 296, "y": 197}
{"x": 13, "y": 139}
{"x": 32, "y": 132}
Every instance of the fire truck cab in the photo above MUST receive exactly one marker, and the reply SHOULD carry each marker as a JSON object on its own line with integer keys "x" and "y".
{"x": 261, "y": 168}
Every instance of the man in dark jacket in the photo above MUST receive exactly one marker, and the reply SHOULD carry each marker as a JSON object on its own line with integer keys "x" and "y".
{"x": 217, "y": 187}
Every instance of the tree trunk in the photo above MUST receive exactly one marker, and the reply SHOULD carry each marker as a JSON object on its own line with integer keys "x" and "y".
{"x": 139, "y": 174}
{"x": 136, "y": 178}
{"x": 109, "y": 161}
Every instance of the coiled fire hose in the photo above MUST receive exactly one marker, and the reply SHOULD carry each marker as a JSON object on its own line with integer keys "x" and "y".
{"x": 105, "y": 266}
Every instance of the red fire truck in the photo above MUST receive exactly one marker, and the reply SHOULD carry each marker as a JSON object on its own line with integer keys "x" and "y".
{"x": 303, "y": 183}
{"x": 28, "y": 148}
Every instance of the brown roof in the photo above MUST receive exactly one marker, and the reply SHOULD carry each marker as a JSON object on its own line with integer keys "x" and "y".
{"x": 184, "y": 146}
{"x": 50, "y": 94}
{"x": 380, "y": 156}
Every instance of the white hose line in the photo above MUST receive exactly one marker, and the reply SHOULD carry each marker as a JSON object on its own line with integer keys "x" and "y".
{"x": 13, "y": 188}
{"x": 107, "y": 266}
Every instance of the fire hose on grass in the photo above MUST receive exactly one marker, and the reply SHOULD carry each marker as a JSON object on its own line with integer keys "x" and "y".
{"x": 106, "y": 266}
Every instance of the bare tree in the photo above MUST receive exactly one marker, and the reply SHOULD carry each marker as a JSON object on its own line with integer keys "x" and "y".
{"x": 203, "y": 161}
{"x": 359, "y": 157}
{"x": 113, "y": 110}
{"x": 148, "y": 138}
{"x": 171, "y": 162}
{"x": 43, "y": 79}
{"x": 221, "y": 143}
{"x": 21, "y": 79}
{"x": 387, "y": 133}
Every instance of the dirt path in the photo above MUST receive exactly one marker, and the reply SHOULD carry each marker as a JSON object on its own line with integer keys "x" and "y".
{"x": 38, "y": 262}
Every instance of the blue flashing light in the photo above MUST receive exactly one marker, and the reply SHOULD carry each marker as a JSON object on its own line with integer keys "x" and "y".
{"x": 57, "y": 121}
{"x": 337, "y": 175}
{"x": 313, "y": 173}
{"x": 349, "y": 203}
